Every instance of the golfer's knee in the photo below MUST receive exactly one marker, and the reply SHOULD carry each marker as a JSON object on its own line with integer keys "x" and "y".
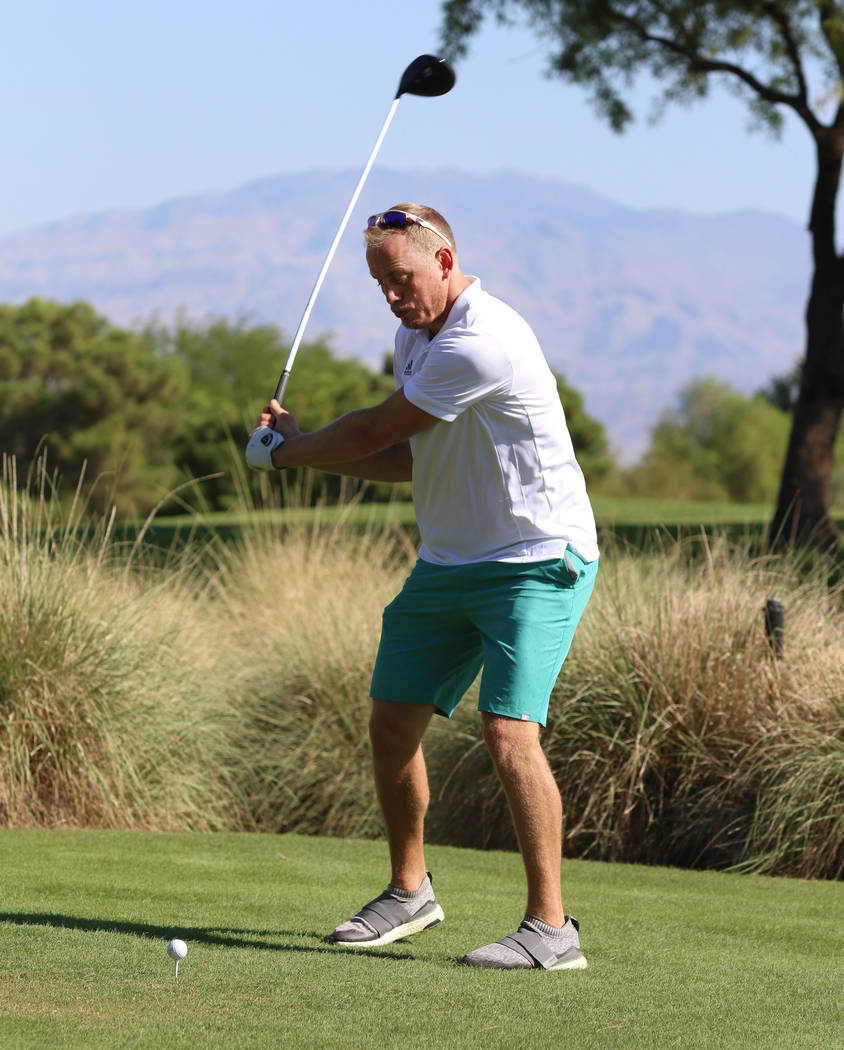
{"x": 508, "y": 740}
{"x": 380, "y": 735}
{"x": 390, "y": 734}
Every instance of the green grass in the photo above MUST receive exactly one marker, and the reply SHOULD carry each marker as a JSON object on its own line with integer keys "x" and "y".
{"x": 635, "y": 521}
{"x": 608, "y": 510}
{"x": 677, "y": 959}
{"x": 611, "y": 510}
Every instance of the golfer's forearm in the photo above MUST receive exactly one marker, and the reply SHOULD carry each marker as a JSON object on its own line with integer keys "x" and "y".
{"x": 354, "y": 437}
{"x": 391, "y": 464}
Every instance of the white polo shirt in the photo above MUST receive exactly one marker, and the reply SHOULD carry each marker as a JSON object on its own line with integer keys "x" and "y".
{"x": 497, "y": 479}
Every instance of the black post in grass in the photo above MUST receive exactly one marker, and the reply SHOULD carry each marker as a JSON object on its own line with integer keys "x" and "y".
{"x": 775, "y": 625}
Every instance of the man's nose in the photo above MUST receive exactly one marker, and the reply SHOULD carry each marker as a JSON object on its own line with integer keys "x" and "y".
{"x": 391, "y": 295}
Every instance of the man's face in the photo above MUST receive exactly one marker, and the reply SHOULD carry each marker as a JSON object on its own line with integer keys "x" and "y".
{"x": 414, "y": 282}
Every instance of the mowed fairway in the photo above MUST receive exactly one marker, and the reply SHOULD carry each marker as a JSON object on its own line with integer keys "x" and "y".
{"x": 677, "y": 959}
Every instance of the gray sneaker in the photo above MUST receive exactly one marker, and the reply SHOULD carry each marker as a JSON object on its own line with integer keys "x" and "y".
{"x": 534, "y": 946}
{"x": 394, "y": 914}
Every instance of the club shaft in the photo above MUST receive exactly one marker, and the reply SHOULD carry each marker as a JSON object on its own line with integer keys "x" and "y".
{"x": 300, "y": 331}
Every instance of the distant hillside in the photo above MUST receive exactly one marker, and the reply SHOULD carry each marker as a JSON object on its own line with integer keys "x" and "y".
{"x": 628, "y": 304}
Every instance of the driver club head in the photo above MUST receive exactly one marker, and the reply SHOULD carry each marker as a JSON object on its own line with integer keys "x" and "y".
{"x": 427, "y": 75}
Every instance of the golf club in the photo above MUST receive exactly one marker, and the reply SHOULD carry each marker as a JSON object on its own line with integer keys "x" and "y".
{"x": 427, "y": 76}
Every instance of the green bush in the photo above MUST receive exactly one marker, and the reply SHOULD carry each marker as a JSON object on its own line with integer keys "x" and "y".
{"x": 675, "y": 735}
{"x": 107, "y": 407}
{"x": 232, "y": 369}
{"x": 716, "y": 444}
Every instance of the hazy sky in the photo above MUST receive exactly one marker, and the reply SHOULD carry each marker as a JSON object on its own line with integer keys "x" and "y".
{"x": 126, "y": 104}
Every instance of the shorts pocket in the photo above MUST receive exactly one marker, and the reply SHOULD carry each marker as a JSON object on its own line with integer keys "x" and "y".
{"x": 573, "y": 571}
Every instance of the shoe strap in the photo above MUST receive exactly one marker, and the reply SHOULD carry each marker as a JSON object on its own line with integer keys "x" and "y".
{"x": 531, "y": 947}
{"x": 384, "y": 914}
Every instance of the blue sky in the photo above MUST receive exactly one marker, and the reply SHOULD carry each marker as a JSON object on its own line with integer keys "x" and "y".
{"x": 126, "y": 104}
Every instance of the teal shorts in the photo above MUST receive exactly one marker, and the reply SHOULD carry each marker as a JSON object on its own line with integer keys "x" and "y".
{"x": 515, "y": 619}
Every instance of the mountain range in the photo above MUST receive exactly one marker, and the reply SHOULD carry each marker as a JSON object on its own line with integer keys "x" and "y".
{"x": 629, "y": 304}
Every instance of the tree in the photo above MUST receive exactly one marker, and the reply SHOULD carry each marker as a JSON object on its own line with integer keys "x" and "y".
{"x": 776, "y": 54}
{"x": 781, "y": 391}
{"x": 232, "y": 370}
{"x": 228, "y": 366}
{"x": 588, "y": 435}
{"x": 716, "y": 444}
{"x": 98, "y": 396}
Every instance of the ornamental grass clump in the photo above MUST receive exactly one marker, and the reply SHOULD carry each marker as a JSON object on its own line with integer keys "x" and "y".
{"x": 103, "y": 718}
{"x": 226, "y": 686}
{"x": 302, "y": 606}
{"x": 675, "y": 734}
{"x": 678, "y": 736}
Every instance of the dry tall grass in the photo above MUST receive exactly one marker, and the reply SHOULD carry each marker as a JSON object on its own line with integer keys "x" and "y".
{"x": 104, "y": 720}
{"x": 691, "y": 721}
{"x": 300, "y": 607}
{"x": 229, "y": 689}
{"x": 676, "y": 735}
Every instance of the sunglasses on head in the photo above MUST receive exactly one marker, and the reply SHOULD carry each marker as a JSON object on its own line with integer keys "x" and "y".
{"x": 399, "y": 220}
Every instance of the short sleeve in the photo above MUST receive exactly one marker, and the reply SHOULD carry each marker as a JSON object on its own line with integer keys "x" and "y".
{"x": 466, "y": 368}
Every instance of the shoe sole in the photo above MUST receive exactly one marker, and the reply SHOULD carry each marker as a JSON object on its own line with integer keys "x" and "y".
{"x": 578, "y": 963}
{"x": 407, "y": 929}
{"x": 574, "y": 964}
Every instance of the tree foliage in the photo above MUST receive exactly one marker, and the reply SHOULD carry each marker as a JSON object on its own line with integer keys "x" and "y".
{"x": 96, "y": 395}
{"x": 716, "y": 444}
{"x": 781, "y": 390}
{"x": 588, "y": 435}
{"x": 232, "y": 368}
{"x": 149, "y": 410}
{"x": 776, "y": 55}
{"x": 759, "y": 46}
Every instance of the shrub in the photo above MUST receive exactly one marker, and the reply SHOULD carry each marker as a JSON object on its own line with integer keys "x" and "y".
{"x": 103, "y": 720}
{"x": 676, "y": 736}
{"x": 301, "y": 607}
{"x": 228, "y": 688}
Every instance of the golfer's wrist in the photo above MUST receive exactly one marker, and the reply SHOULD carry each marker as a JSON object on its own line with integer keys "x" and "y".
{"x": 263, "y": 441}
{"x": 288, "y": 453}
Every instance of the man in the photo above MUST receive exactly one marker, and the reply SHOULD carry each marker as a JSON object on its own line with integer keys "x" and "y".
{"x": 506, "y": 565}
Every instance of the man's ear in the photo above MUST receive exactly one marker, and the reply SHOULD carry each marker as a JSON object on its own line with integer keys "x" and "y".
{"x": 446, "y": 260}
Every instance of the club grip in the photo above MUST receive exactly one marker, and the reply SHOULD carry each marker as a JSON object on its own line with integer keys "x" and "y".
{"x": 282, "y": 386}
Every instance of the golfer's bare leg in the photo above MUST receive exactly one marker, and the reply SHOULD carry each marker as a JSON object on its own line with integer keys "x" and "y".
{"x": 536, "y": 809}
{"x": 401, "y": 780}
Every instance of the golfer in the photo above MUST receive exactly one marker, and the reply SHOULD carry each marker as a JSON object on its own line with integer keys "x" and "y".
{"x": 506, "y": 565}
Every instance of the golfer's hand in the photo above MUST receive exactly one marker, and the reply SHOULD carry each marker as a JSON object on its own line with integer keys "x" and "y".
{"x": 264, "y": 450}
{"x": 277, "y": 418}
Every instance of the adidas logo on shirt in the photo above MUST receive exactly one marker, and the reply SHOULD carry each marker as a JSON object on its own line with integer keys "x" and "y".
{"x": 408, "y": 368}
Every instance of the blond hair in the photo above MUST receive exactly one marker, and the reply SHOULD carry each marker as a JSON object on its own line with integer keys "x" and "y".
{"x": 418, "y": 236}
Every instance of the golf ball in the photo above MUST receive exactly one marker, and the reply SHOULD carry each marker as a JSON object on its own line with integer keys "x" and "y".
{"x": 177, "y": 949}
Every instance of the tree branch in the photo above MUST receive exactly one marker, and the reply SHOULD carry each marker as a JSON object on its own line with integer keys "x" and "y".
{"x": 780, "y": 19}
{"x": 830, "y": 14}
{"x": 700, "y": 63}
